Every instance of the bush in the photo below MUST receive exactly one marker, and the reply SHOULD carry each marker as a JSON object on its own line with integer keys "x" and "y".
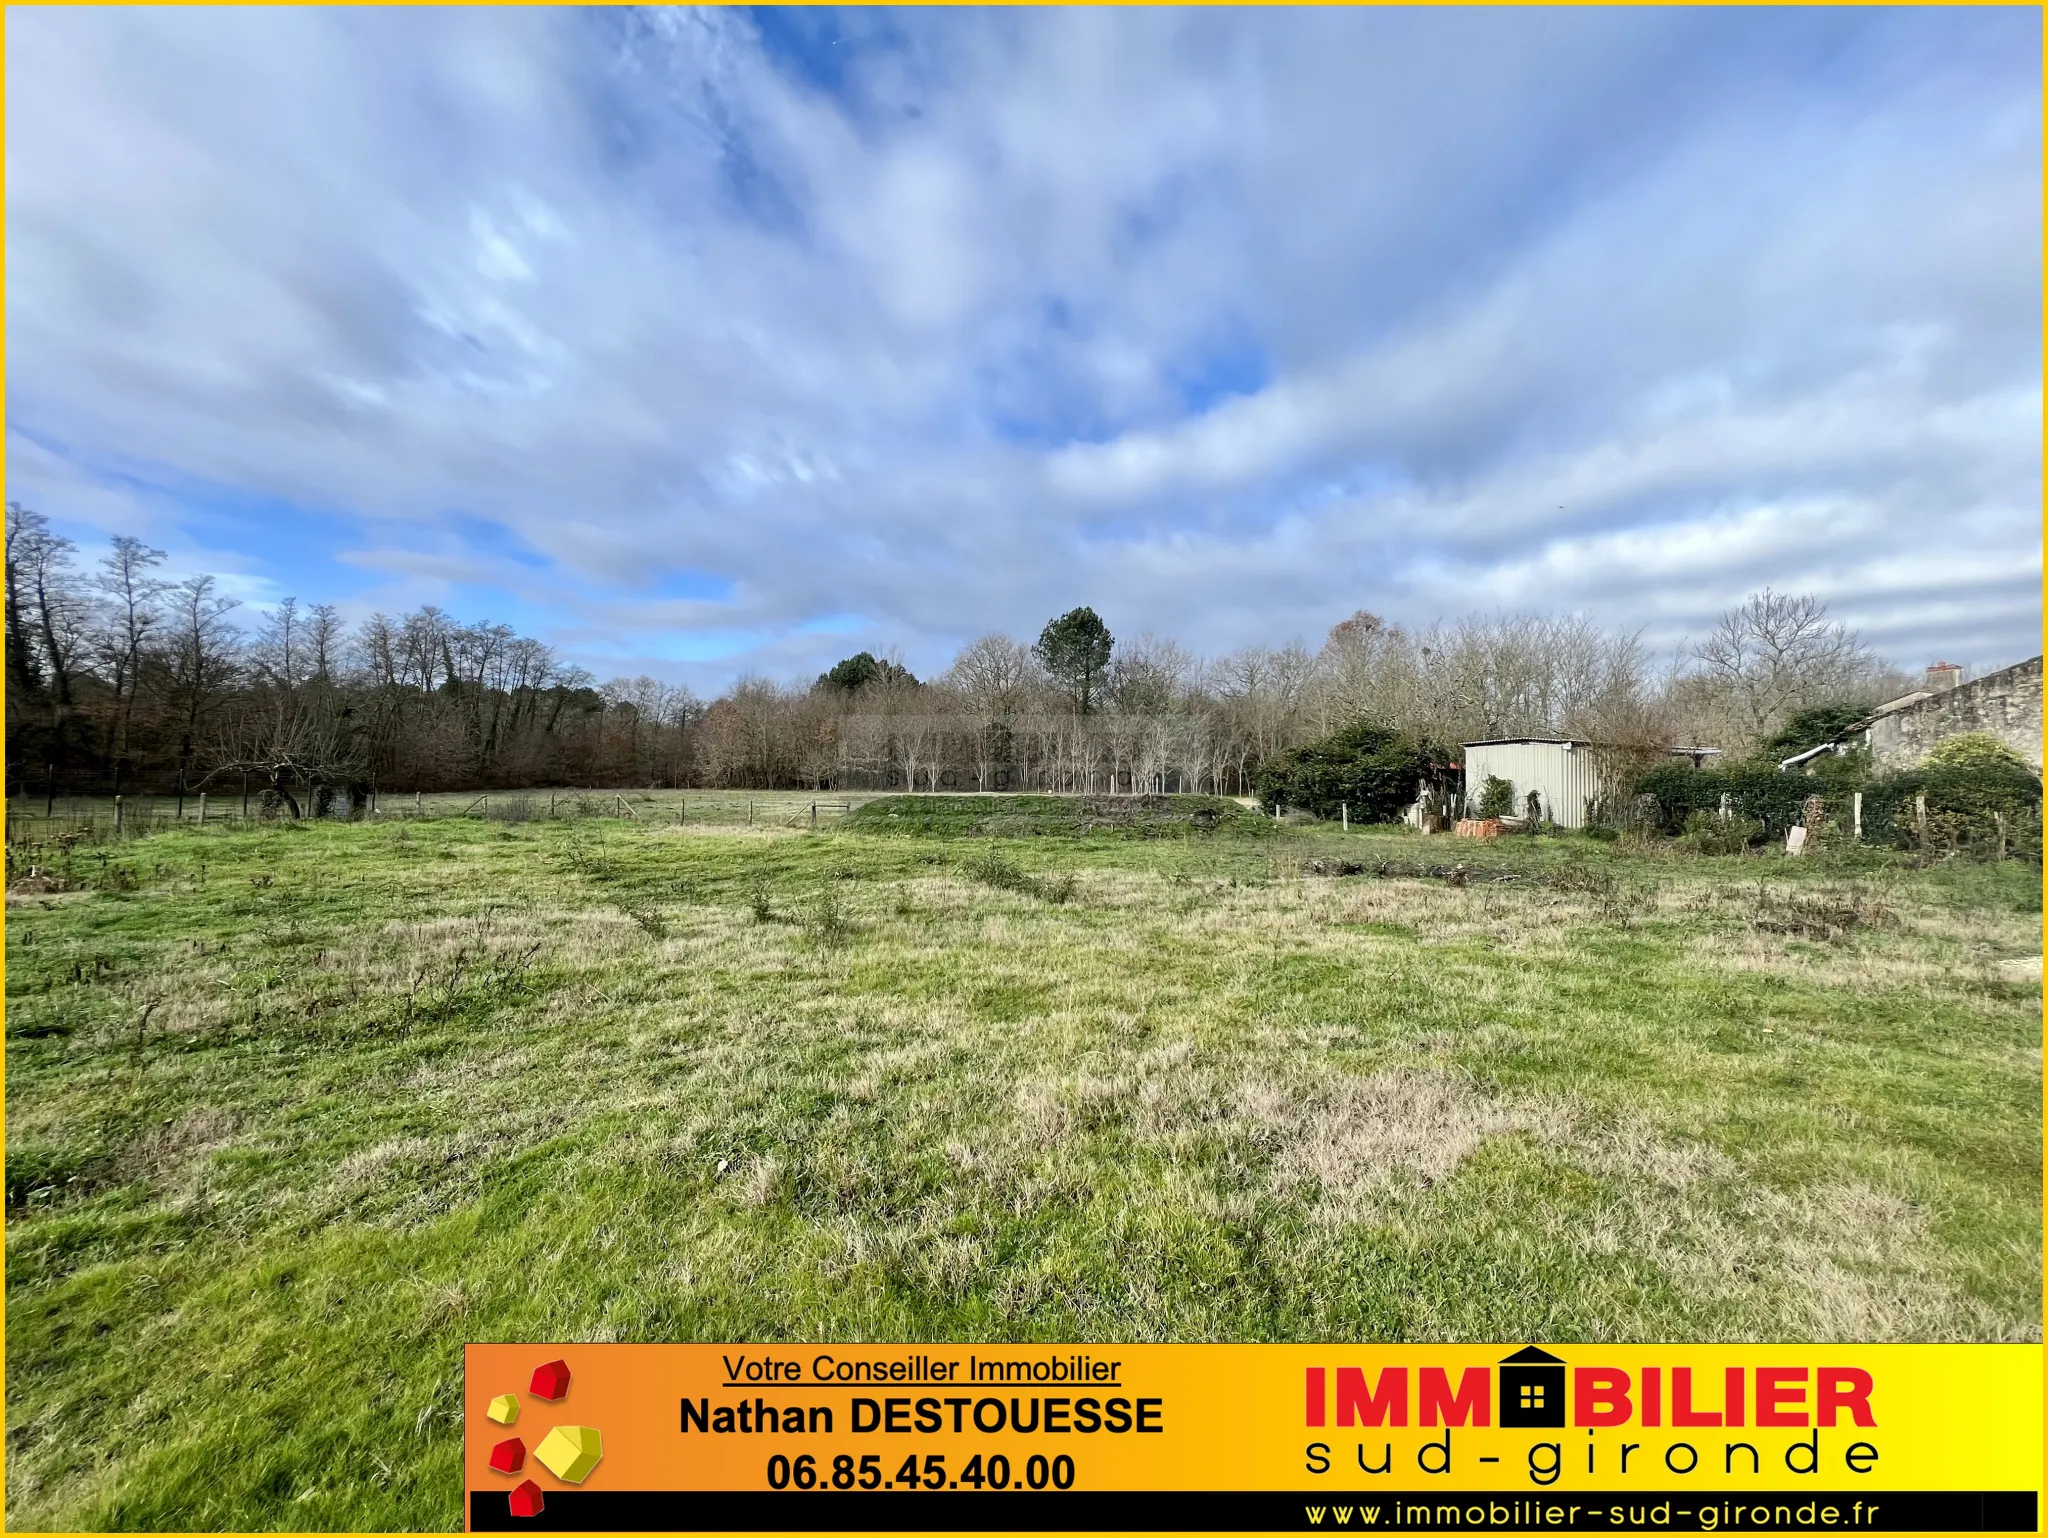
{"x": 1964, "y": 804}
{"x": 1759, "y": 792}
{"x": 1497, "y": 797}
{"x": 1373, "y": 770}
{"x": 1710, "y": 833}
{"x": 1976, "y": 750}
{"x": 1964, "y": 807}
{"x": 1811, "y": 728}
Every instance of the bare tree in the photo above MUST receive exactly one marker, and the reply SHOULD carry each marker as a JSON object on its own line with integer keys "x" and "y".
{"x": 42, "y": 583}
{"x": 993, "y": 676}
{"x": 129, "y": 593}
{"x": 1779, "y": 653}
{"x": 1150, "y": 675}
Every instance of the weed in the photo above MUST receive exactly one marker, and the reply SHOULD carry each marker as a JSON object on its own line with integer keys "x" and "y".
{"x": 1830, "y": 913}
{"x": 824, "y": 920}
{"x": 649, "y": 920}
{"x": 992, "y": 867}
{"x": 758, "y": 901}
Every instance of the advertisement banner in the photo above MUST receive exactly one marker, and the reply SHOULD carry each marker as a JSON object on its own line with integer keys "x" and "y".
{"x": 1224, "y": 1438}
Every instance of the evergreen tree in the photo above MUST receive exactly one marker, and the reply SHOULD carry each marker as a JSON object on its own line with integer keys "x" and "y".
{"x": 1075, "y": 650}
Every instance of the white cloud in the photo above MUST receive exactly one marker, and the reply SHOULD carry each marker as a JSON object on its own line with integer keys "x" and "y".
{"x": 1226, "y": 323}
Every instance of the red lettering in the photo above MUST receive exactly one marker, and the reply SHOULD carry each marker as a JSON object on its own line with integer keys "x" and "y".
{"x": 1653, "y": 1395}
{"x": 1777, "y": 1386}
{"x": 1472, "y": 1405}
{"x": 1385, "y": 1406}
{"x": 1600, "y": 1396}
{"x": 1731, "y": 1395}
{"x": 1682, "y": 1412}
{"x": 1315, "y": 1396}
{"x": 1843, "y": 1388}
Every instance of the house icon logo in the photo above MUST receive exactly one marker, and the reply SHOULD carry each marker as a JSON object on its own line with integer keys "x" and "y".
{"x": 1532, "y": 1389}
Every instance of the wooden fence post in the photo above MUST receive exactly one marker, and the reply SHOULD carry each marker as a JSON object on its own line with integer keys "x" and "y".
{"x": 1344, "y": 808}
{"x": 1999, "y": 818}
{"x": 1856, "y": 816}
{"x": 202, "y": 809}
{"x": 1920, "y": 821}
{"x": 416, "y": 809}
{"x": 117, "y": 816}
{"x": 814, "y": 816}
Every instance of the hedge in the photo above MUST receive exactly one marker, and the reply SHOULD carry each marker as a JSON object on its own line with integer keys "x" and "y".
{"x": 1963, "y": 803}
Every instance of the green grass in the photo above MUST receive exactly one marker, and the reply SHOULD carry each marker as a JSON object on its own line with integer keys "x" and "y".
{"x": 295, "y": 1112}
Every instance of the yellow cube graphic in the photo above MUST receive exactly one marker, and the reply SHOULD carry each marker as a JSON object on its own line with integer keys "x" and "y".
{"x": 570, "y": 1452}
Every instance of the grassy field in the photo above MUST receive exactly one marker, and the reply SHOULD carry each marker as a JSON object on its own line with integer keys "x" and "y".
{"x": 293, "y": 1112}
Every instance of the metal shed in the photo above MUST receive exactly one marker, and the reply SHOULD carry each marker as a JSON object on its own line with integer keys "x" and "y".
{"x": 1560, "y": 770}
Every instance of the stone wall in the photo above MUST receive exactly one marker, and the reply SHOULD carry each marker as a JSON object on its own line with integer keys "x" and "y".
{"x": 2007, "y": 704}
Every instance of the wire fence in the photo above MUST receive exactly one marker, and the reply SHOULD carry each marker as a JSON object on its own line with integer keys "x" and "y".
{"x": 35, "y": 823}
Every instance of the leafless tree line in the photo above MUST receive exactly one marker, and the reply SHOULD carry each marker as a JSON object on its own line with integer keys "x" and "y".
{"x": 1173, "y": 721}
{"x": 118, "y": 678}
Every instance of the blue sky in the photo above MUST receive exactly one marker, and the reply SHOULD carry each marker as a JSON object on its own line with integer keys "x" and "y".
{"x": 705, "y": 342}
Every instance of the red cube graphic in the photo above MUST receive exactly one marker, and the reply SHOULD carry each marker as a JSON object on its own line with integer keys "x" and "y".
{"x": 550, "y": 1380}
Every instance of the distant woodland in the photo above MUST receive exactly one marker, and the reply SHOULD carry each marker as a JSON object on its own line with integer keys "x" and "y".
{"x": 121, "y": 680}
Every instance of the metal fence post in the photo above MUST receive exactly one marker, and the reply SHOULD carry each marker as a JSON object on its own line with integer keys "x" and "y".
{"x": 1344, "y": 807}
{"x": 1856, "y": 815}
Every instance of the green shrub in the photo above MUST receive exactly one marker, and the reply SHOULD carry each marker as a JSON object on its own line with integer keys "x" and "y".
{"x": 1811, "y": 728}
{"x": 1964, "y": 808}
{"x": 1976, "y": 750}
{"x": 1709, "y": 833}
{"x": 1760, "y": 792}
{"x": 1497, "y": 797}
{"x": 1964, "y": 804}
{"x": 1372, "y": 770}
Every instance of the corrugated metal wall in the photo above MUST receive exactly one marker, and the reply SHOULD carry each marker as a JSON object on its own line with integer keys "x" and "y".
{"x": 1565, "y": 779}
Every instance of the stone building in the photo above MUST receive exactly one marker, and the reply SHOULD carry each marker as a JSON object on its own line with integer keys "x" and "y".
{"x": 2007, "y": 704}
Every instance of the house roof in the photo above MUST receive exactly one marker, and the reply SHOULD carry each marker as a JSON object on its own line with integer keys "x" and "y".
{"x": 1799, "y": 758}
{"x": 1570, "y": 742}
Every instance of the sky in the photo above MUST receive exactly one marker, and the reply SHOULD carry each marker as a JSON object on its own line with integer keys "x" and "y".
{"x": 706, "y": 343}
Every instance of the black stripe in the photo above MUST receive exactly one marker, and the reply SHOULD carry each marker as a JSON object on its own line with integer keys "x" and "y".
{"x": 1241, "y": 1511}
